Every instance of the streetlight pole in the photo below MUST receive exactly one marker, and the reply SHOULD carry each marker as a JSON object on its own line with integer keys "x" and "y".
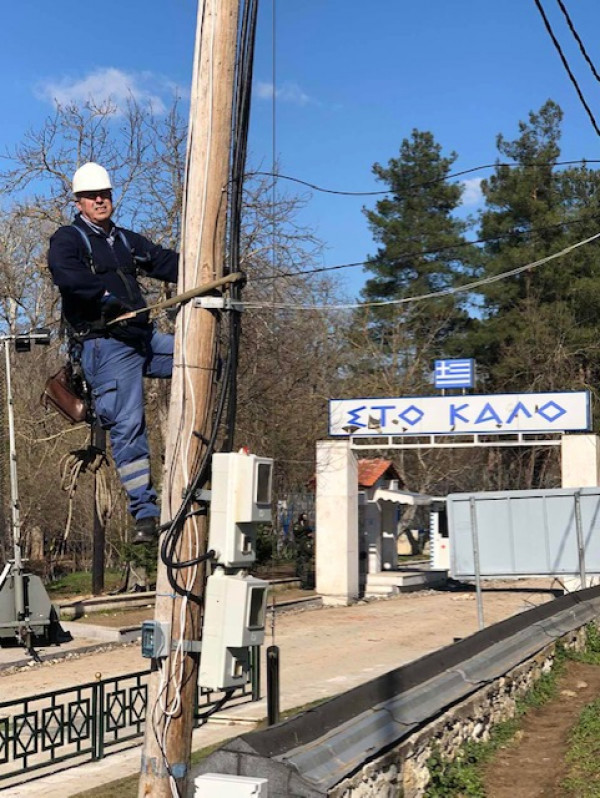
{"x": 17, "y": 569}
{"x": 22, "y": 610}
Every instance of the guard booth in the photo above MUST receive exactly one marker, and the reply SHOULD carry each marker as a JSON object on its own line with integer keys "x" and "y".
{"x": 386, "y": 510}
{"x": 377, "y": 522}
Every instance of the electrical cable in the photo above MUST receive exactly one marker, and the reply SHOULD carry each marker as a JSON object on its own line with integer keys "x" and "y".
{"x": 566, "y": 66}
{"x": 72, "y": 465}
{"x": 584, "y": 53}
{"x": 412, "y": 186}
{"x": 204, "y": 716}
{"x": 421, "y": 253}
{"x": 433, "y": 294}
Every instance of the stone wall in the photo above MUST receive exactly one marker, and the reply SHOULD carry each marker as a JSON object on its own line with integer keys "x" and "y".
{"x": 402, "y": 772}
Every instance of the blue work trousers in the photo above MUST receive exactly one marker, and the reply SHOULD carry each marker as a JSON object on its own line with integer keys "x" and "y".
{"x": 114, "y": 371}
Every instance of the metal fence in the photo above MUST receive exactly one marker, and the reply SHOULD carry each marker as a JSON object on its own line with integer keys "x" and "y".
{"x": 81, "y": 723}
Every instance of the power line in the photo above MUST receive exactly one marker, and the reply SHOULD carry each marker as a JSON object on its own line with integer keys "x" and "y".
{"x": 471, "y": 170}
{"x": 566, "y": 66}
{"x": 433, "y": 294}
{"x": 578, "y": 39}
{"x": 421, "y": 253}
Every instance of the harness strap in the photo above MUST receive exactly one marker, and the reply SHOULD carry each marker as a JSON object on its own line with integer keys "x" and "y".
{"x": 73, "y": 337}
{"x": 90, "y": 255}
{"x": 88, "y": 247}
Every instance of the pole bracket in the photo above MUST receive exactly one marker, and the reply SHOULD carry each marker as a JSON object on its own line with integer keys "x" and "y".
{"x": 218, "y": 303}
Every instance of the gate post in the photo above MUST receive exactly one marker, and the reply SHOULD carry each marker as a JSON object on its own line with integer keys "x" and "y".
{"x": 336, "y": 534}
{"x": 580, "y": 461}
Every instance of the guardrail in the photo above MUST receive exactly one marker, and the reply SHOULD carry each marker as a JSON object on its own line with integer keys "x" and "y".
{"x": 376, "y": 739}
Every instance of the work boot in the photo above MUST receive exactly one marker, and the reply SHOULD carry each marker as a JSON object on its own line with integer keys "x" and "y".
{"x": 146, "y": 530}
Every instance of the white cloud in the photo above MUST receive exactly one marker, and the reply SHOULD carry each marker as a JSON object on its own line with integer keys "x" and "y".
{"x": 287, "y": 92}
{"x": 472, "y": 194}
{"x": 109, "y": 84}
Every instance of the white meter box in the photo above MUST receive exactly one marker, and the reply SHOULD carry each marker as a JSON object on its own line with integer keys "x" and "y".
{"x": 235, "y": 609}
{"x": 240, "y": 500}
{"x": 234, "y": 619}
{"x": 221, "y": 785}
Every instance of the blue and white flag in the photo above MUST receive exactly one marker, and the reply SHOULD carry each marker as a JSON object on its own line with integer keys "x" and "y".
{"x": 454, "y": 373}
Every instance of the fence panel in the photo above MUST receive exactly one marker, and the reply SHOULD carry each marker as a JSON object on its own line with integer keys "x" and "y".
{"x": 82, "y": 723}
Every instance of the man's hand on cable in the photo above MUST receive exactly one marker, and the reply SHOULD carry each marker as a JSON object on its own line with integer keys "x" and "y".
{"x": 112, "y": 307}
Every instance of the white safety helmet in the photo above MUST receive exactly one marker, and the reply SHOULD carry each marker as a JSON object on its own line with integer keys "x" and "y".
{"x": 91, "y": 177}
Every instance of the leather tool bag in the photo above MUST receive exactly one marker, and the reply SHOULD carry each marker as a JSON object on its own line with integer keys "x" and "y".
{"x": 61, "y": 394}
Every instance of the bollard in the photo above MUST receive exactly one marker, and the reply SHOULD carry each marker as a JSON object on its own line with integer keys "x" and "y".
{"x": 273, "y": 685}
{"x": 255, "y": 662}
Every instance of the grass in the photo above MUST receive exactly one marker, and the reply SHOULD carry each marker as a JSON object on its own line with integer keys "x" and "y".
{"x": 582, "y": 758}
{"x": 128, "y": 787}
{"x": 123, "y": 788}
{"x": 463, "y": 775}
{"x": 79, "y": 583}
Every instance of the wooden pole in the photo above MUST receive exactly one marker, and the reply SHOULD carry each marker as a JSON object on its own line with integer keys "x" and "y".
{"x": 170, "y": 711}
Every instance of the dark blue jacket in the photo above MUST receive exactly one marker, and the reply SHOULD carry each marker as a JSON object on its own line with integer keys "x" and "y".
{"x": 115, "y": 270}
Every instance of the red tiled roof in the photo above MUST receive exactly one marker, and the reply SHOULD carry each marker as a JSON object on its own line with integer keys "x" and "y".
{"x": 369, "y": 471}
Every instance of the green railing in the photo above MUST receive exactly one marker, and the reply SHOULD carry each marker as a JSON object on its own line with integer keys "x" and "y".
{"x": 82, "y": 723}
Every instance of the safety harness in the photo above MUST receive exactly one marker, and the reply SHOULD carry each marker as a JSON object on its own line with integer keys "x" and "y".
{"x": 136, "y": 260}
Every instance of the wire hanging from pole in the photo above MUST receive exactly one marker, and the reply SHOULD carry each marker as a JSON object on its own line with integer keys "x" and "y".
{"x": 274, "y": 166}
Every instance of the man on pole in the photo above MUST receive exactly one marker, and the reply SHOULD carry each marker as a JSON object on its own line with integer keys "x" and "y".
{"x": 95, "y": 265}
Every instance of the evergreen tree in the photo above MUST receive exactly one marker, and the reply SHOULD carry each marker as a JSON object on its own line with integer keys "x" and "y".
{"x": 538, "y": 328}
{"x": 422, "y": 250}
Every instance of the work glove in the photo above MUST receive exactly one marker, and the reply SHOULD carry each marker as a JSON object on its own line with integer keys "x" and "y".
{"x": 112, "y": 306}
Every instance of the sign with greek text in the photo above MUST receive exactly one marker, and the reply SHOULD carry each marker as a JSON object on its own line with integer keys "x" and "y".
{"x": 462, "y": 415}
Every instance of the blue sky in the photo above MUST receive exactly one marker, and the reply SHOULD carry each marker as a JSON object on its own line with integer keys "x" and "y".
{"x": 352, "y": 79}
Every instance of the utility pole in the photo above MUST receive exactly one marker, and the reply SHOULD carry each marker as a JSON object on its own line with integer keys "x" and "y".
{"x": 172, "y": 686}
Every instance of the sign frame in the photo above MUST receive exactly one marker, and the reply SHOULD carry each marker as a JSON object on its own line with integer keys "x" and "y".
{"x": 469, "y": 414}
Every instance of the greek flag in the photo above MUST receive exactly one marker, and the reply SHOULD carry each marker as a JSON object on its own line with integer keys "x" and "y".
{"x": 454, "y": 373}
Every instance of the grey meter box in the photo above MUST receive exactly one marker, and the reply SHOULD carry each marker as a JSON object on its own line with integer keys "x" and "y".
{"x": 240, "y": 500}
{"x": 234, "y": 619}
{"x": 156, "y": 639}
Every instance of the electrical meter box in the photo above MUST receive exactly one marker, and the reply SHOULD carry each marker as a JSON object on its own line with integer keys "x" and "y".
{"x": 221, "y": 785}
{"x": 156, "y": 639}
{"x": 240, "y": 501}
{"x": 235, "y": 609}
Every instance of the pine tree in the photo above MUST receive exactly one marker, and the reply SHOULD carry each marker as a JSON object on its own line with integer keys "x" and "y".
{"x": 537, "y": 330}
{"x": 422, "y": 251}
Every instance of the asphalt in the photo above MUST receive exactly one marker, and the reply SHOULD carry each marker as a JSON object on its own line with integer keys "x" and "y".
{"x": 323, "y": 652}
